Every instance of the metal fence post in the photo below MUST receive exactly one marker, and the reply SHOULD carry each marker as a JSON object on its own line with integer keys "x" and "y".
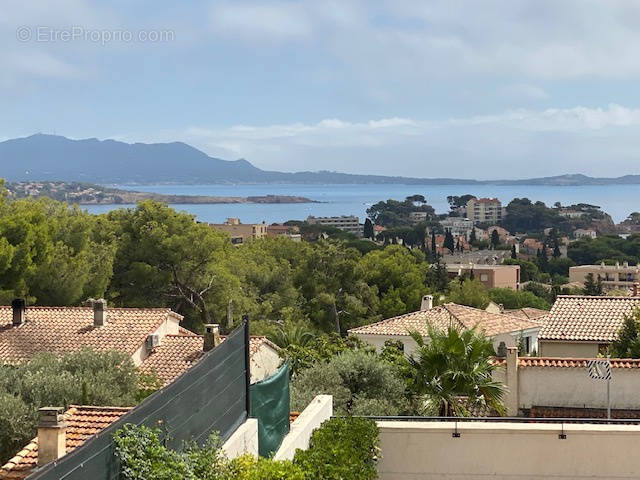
{"x": 247, "y": 364}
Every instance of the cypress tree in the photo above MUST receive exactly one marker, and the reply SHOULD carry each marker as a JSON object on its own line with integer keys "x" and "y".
{"x": 514, "y": 255}
{"x": 368, "y": 229}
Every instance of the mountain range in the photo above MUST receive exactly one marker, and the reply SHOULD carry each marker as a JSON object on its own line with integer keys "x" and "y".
{"x": 52, "y": 157}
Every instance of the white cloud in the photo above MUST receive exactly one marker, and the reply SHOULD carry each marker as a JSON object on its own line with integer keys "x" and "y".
{"x": 513, "y": 144}
{"x": 261, "y": 20}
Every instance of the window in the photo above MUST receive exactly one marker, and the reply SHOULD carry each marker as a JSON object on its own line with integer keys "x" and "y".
{"x": 527, "y": 344}
{"x": 484, "y": 277}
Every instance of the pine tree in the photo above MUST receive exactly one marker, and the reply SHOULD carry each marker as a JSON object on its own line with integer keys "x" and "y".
{"x": 514, "y": 254}
{"x": 368, "y": 229}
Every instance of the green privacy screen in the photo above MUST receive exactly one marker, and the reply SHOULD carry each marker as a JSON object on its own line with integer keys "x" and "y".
{"x": 210, "y": 396}
{"x": 270, "y": 405}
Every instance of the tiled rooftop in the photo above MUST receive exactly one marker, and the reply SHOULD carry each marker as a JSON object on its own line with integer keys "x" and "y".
{"x": 529, "y": 313}
{"x": 67, "y": 329}
{"x": 177, "y": 353}
{"x": 443, "y": 316}
{"x": 583, "y": 318}
{"x": 82, "y": 423}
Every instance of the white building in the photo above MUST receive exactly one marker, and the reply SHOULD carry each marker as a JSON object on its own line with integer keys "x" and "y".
{"x": 347, "y": 223}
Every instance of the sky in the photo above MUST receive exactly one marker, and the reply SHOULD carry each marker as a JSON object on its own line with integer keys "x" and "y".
{"x": 464, "y": 89}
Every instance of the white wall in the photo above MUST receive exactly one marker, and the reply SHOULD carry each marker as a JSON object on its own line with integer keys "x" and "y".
{"x": 244, "y": 440}
{"x": 427, "y": 450}
{"x": 319, "y": 410}
{"x": 264, "y": 363}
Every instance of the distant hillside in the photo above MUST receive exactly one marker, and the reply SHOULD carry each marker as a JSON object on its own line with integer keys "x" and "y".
{"x": 51, "y": 157}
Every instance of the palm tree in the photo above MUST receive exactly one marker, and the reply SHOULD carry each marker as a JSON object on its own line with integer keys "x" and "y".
{"x": 292, "y": 334}
{"x": 454, "y": 364}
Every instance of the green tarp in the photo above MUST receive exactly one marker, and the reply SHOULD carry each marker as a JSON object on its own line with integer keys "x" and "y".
{"x": 270, "y": 405}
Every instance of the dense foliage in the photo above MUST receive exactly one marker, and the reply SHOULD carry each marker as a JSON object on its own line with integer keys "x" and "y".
{"x": 84, "y": 378}
{"x": 627, "y": 345}
{"x": 342, "y": 448}
{"x": 394, "y": 213}
{"x": 360, "y": 381}
{"x": 608, "y": 248}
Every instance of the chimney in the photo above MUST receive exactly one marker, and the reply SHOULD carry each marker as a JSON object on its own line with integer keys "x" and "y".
{"x": 511, "y": 396}
{"x": 52, "y": 435}
{"x": 427, "y": 303}
{"x": 636, "y": 290}
{"x": 99, "y": 312}
{"x": 211, "y": 336}
{"x": 19, "y": 308}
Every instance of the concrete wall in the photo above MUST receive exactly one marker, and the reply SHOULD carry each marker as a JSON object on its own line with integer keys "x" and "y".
{"x": 427, "y": 450}
{"x": 319, "y": 410}
{"x": 572, "y": 387}
{"x": 244, "y": 440}
{"x": 568, "y": 349}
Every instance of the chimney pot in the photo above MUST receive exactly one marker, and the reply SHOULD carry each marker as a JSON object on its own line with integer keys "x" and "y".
{"x": 99, "y": 312}
{"x": 18, "y": 307}
{"x": 211, "y": 336}
{"x": 52, "y": 435}
{"x": 427, "y": 303}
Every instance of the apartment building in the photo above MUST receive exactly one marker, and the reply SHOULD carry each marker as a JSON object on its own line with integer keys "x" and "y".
{"x": 241, "y": 232}
{"x": 485, "y": 210}
{"x": 458, "y": 226}
{"x": 290, "y": 231}
{"x": 491, "y": 276}
{"x": 612, "y": 276}
{"x": 347, "y": 223}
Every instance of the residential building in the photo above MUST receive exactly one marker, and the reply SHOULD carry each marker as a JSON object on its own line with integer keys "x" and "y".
{"x": 612, "y": 276}
{"x": 491, "y": 276}
{"x": 585, "y": 233}
{"x": 458, "y": 226}
{"x": 485, "y": 210}
{"x": 177, "y": 353}
{"x": 568, "y": 213}
{"x": 347, "y": 223}
{"x": 241, "y": 232}
{"x": 583, "y": 326}
{"x": 532, "y": 246}
{"x": 417, "y": 217}
{"x": 503, "y": 234}
{"x": 477, "y": 257}
{"x": 289, "y": 231}
{"x": 499, "y": 327}
{"x": 152, "y": 337}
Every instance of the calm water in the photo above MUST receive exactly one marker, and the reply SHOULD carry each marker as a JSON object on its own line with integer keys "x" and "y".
{"x": 617, "y": 200}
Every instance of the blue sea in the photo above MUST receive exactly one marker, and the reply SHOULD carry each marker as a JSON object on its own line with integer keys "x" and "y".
{"x": 617, "y": 200}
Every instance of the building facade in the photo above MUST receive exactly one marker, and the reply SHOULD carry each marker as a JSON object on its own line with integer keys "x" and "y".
{"x": 485, "y": 210}
{"x": 491, "y": 276}
{"x": 612, "y": 276}
{"x": 347, "y": 223}
{"x": 241, "y": 232}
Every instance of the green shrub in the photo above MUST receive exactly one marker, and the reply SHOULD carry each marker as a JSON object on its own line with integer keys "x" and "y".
{"x": 360, "y": 381}
{"x": 341, "y": 449}
{"x": 248, "y": 467}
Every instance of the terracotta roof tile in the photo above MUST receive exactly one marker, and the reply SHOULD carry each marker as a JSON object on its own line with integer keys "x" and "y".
{"x": 583, "y": 318}
{"x": 530, "y": 313}
{"x": 443, "y": 316}
{"x": 177, "y": 353}
{"x": 67, "y": 329}
{"x": 565, "y": 362}
{"x": 82, "y": 423}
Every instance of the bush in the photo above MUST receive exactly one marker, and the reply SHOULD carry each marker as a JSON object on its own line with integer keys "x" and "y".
{"x": 360, "y": 381}
{"x": 342, "y": 448}
{"x": 85, "y": 377}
